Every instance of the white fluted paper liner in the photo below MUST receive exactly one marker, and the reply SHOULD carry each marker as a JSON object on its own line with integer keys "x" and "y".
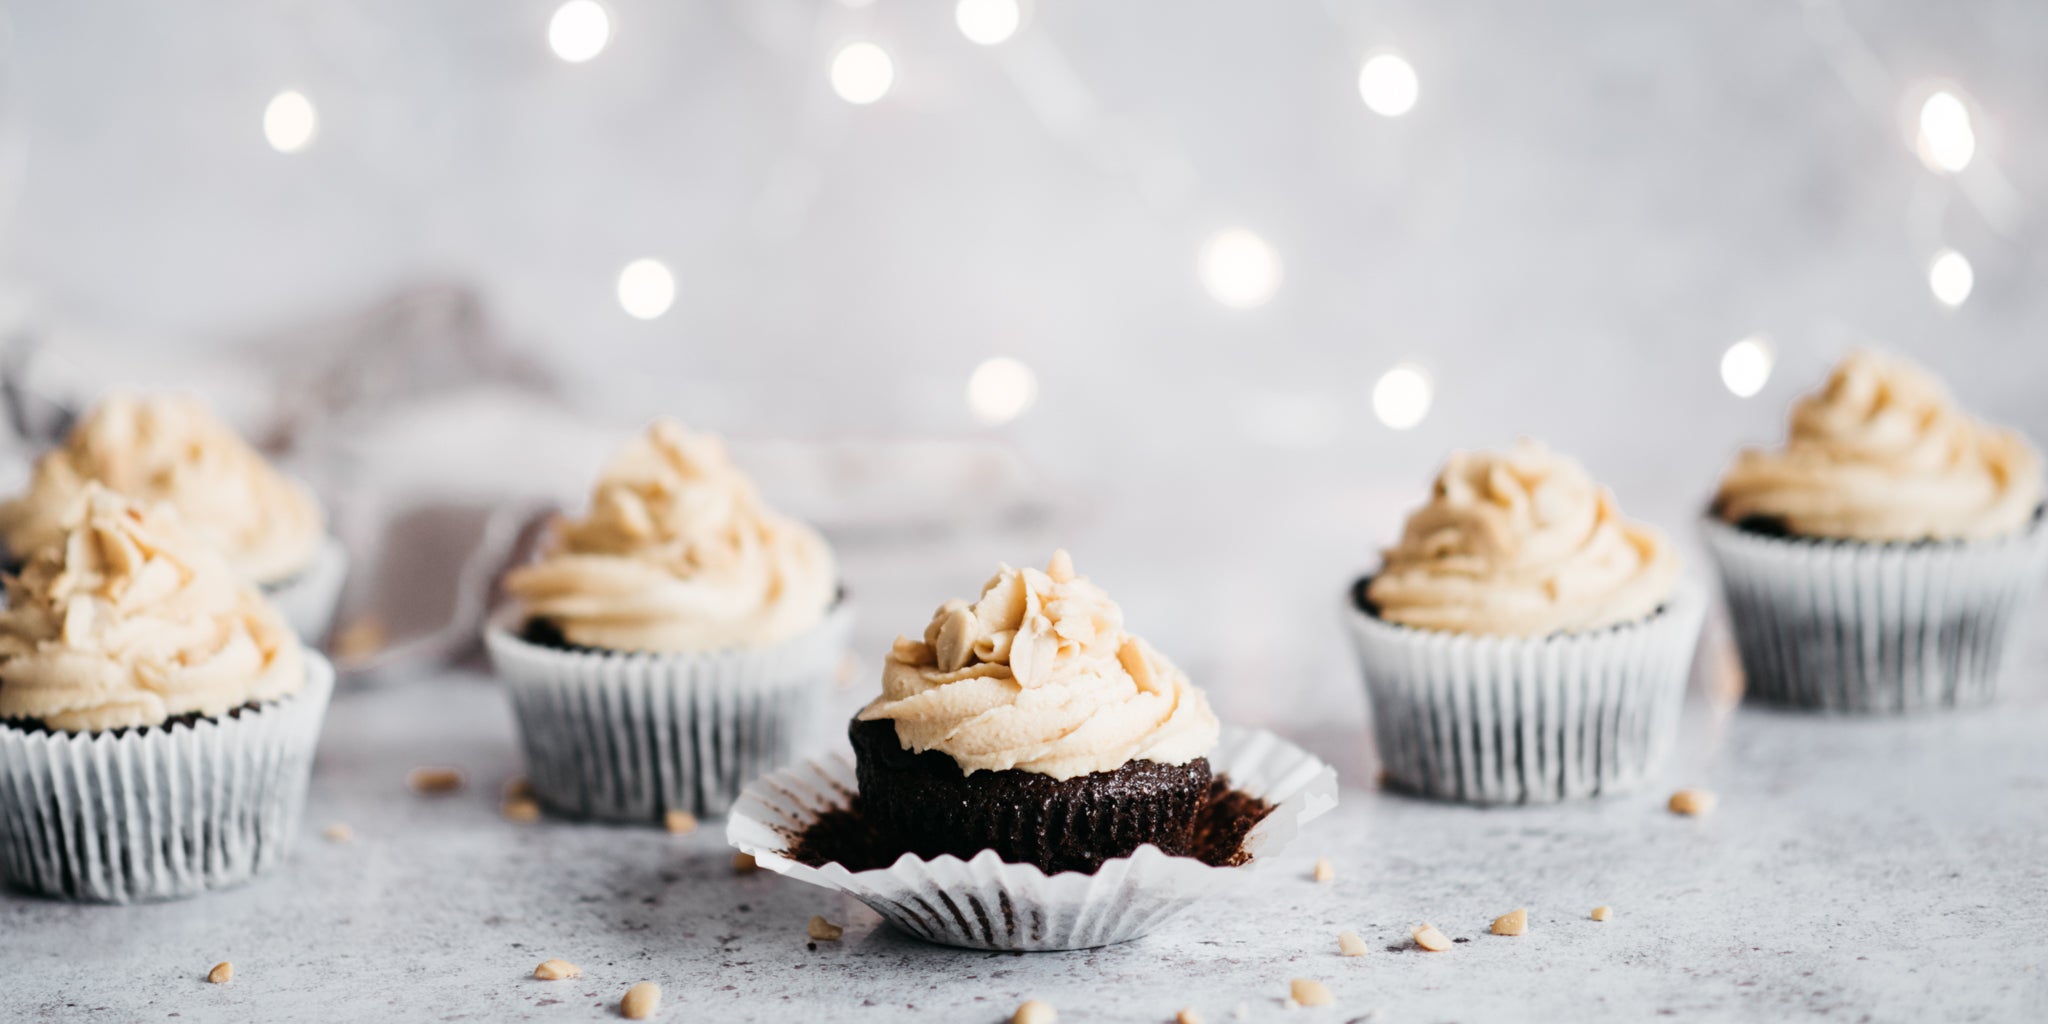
{"x": 1852, "y": 626}
{"x": 308, "y": 598}
{"x": 985, "y": 903}
{"x": 1502, "y": 720}
{"x": 160, "y": 813}
{"x": 630, "y": 736}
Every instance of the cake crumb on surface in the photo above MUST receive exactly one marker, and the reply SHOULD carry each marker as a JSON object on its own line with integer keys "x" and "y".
{"x": 516, "y": 786}
{"x": 1602, "y": 912}
{"x": 1187, "y": 1015}
{"x": 641, "y": 1001}
{"x": 339, "y": 833}
{"x": 1692, "y": 802}
{"x": 1309, "y": 992}
{"x": 1349, "y": 944}
{"x": 1514, "y": 922}
{"x": 556, "y": 970}
{"x": 222, "y": 973}
{"x": 1034, "y": 1011}
{"x": 1324, "y": 870}
{"x": 823, "y": 930}
{"x": 744, "y": 862}
{"x": 521, "y": 809}
{"x": 679, "y": 823}
{"x": 1430, "y": 938}
{"x": 433, "y": 779}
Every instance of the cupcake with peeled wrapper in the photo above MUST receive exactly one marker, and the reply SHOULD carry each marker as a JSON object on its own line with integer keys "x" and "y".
{"x": 168, "y": 449}
{"x": 1523, "y": 643}
{"x": 1877, "y": 561}
{"x": 1033, "y": 776}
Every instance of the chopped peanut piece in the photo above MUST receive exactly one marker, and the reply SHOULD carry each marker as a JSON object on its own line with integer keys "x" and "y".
{"x": 516, "y": 786}
{"x": 1187, "y": 1016}
{"x": 641, "y": 1001}
{"x": 743, "y": 863}
{"x": 823, "y": 930}
{"x": 1514, "y": 922}
{"x": 1428, "y": 937}
{"x": 521, "y": 809}
{"x": 222, "y": 973}
{"x": 434, "y": 780}
{"x": 1602, "y": 912}
{"x": 1307, "y": 992}
{"x": 1034, "y": 1012}
{"x": 680, "y": 823}
{"x": 1692, "y": 802}
{"x": 1325, "y": 871}
{"x": 1349, "y": 944}
{"x": 339, "y": 833}
{"x": 556, "y": 970}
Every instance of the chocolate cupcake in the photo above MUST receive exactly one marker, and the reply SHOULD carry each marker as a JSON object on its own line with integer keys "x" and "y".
{"x": 673, "y": 643}
{"x": 1523, "y": 642}
{"x": 1030, "y": 723}
{"x": 164, "y": 449}
{"x": 157, "y": 716}
{"x": 1877, "y": 562}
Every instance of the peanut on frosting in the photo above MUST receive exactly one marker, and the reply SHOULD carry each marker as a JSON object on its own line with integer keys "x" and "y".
{"x": 173, "y": 450}
{"x": 1521, "y": 543}
{"x": 1038, "y": 674}
{"x": 678, "y": 553}
{"x": 130, "y": 620}
{"x": 1882, "y": 453}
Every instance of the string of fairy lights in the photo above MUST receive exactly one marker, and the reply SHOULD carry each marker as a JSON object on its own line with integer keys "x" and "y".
{"x": 1237, "y": 267}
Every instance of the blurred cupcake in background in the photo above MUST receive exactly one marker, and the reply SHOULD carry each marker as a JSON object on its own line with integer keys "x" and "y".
{"x": 157, "y": 716}
{"x": 1877, "y": 560}
{"x": 673, "y": 643}
{"x": 1523, "y": 642}
{"x": 174, "y": 450}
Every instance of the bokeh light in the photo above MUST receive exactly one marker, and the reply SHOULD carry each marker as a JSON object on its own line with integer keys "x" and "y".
{"x": 1746, "y": 366}
{"x": 862, "y": 73}
{"x": 1000, "y": 390}
{"x": 988, "y": 22}
{"x": 1388, "y": 84}
{"x": 1401, "y": 398}
{"x": 290, "y": 122}
{"x": 646, "y": 289}
{"x": 1947, "y": 141}
{"x": 1238, "y": 269}
{"x": 579, "y": 30}
{"x": 1951, "y": 278}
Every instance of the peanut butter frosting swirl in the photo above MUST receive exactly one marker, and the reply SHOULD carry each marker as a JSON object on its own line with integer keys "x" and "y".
{"x": 1038, "y": 674}
{"x": 1521, "y": 543}
{"x": 174, "y": 450}
{"x": 130, "y": 620}
{"x": 1882, "y": 453}
{"x": 678, "y": 553}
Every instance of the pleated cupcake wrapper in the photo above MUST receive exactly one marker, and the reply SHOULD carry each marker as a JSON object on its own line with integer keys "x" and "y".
{"x": 1858, "y": 627}
{"x": 308, "y": 598}
{"x": 1504, "y": 720}
{"x": 985, "y": 903}
{"x": 628, "y": 737}
{"x": 162, "y": 813}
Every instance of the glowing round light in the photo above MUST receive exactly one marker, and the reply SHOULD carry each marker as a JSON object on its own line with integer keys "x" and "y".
{"x": 1388, "y": 84}
{"x": 988, "y": 22}
{"x": 1401, "y": 398}
{"x": 579, "y": 30}
{"x": 290, "y": 122}
{"x": 862, "y": 73}
{"x": 646, "y": 289}
{"x": 1947, "y": 141}
{"x": 1951, "y": 278}
{"x": 1239, "y": 269}
{"x": 1746, "y": 366}
{"x": 1000, "y": 389}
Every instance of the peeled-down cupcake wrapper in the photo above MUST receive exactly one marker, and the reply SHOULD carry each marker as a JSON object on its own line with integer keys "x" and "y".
{"x": 984, "y": 903}
{"x": 629, "y": 737}
{"x": 1859, "y": 627}
{"x": 1504, "y": 720}
{"x": 309, "y": 597}
{"x": 162, "y": 813}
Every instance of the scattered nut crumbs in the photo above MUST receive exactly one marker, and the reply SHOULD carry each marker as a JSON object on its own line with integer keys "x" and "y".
{"x": 1428, "y": 937}
{"x": 1187, "y": 1016}
{"x": 1034, "y": 1012}
{"x": 516, "y": 786}
{"x": 556, "y": 970}
{"x": 1602, "y": 912}
{"x": 1349, "y": 944}
{"x": 823, "y": 930}
{"x": 1692, "y": 802}
{"x": 744, "y": 862}
{"x": 1309, "y": 992}
{"x": 1514, "y": 922}
{"x": 641, "y": 1001}
{"x": 521, "y": 809}
{"x": 679, "y": 823}
{"x": 1325, "y": 871}
{"x": 339, "y": 833}
{"x": 222, "y": 973}
{"x": 434, "y": 780}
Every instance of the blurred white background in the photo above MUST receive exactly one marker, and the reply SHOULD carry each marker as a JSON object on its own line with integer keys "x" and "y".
{"x": 1203, "y": 290}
